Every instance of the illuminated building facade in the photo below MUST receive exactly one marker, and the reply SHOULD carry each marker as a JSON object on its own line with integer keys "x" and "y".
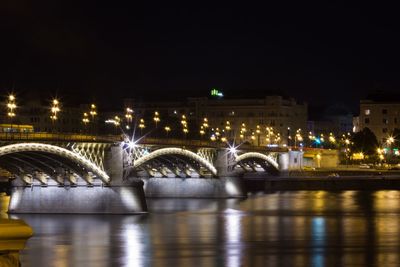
{"x": 381, "y": 117}
{"x": 37, "y": 113}
{"x": 239, "y": 119}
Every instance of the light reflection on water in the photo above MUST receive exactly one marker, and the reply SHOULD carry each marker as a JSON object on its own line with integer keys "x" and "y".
{"x": 304, "y": 228}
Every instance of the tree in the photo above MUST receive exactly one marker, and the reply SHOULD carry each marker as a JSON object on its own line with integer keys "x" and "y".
{"x": 364, "y": 141}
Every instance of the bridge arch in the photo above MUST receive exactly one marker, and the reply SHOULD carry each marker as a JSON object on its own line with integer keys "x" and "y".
{"x": 175, "y": 151}
{"x": 58, "y": 151}
{"x": 259, "y": 156}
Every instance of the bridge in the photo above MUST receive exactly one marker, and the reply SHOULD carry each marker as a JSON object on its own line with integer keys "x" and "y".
{"x": 58, "y": 173}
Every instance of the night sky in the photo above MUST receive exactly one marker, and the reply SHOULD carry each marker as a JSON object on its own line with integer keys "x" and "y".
{"x": 103, "y": 52}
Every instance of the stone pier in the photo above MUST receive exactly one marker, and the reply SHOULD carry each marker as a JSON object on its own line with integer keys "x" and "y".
{"x": 117, "y": 197}
{"x": 226, "y": 185}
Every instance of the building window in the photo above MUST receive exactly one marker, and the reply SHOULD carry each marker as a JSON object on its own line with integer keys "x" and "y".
{"x": 384, "y": 111}
{"x": 385, "y": 121}
{"x": 367, "y": 112}
{"x": 384, "y": 130}
{"x": 366, "y": 120}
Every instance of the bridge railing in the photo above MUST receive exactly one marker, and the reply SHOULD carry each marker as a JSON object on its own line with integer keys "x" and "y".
{"x": 204, "y": 143}
{"x": 40, "y": 136}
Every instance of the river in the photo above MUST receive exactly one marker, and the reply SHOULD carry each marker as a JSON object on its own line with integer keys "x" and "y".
{"x": 298, "y": 228}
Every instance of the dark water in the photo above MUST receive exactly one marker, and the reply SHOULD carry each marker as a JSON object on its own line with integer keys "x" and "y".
{"x": 304, "y": 228}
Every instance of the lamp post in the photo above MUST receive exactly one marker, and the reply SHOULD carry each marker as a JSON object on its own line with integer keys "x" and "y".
{"x": 93, "y": 114}
{"x": 243, "y": 131}
{"x": 297, "y": 137}
{"x": 278, "y": 138}
{"x": 156, "y": 117}
{"x": 203, "y": 127}
{"x": 141, "y": 125}
{"x": 205, "y": 123}
{"x": 347, "y": 150}
{"x": 85, "y": 119}
{"x": 185, "y": 131}
{"x": 11, "y": 106}
{"x": 202, "y": 132}
{"x": 258, "y": 131}
{"x": 117, "y": 123}
{"x": 167, "y": 130}
{"x": 128, "y": 117}
{"x": 55, "y": 108}
{"x": 228, "y": 128}
{"x": 252, "y": 137}
{"x": 184, "y": 126}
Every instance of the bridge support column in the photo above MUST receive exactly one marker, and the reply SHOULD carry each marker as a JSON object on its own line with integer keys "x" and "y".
{"x": 221, "y": 162}
{"x": 283, "y": 161}
{"x": 221, "y": 187}
{"x": 120, "y": 196}
{"x": 78, "y": 199}
{"x": 113, "y": 164}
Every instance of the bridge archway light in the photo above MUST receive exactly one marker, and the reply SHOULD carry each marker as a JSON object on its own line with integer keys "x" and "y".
{"x": 62, "y": 152}
{"x": 257, "y": 155}
{"x": 175, "y": 151}
{"x": 232, "y": 149}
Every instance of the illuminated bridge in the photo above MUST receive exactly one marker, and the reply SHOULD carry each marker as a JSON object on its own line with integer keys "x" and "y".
{"x": 93, "y": 174}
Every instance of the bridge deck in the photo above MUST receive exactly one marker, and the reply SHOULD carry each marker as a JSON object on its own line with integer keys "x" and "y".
{"x": 67, "y": 137}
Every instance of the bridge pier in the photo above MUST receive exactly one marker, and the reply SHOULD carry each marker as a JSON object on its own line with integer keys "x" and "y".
{"x": 222, "y": 187}
{"x": 225, "y": 185}
{"x": 78, "y": 199}
{"x": 84, "y": 194}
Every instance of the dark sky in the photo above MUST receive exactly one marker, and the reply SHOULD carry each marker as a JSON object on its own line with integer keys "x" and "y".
{"x": 103, "y": 52}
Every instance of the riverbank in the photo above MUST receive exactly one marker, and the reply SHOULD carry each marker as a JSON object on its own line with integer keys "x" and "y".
{"x": 326, "y": 179}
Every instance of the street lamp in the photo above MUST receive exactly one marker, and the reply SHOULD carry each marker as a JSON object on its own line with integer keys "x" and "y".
{"x": 141, "y": 125}
{"x": 332, "y": 138}
{"x": 156, "y": 117}
{"x": 167, "y": 130}
{"x": 55, "y": 108}
{"x": 243, "y": 130}
{"x": 93, "y": 111}
{"x": 11, "y": 106}
{"x": 205, "y": 123}
{"x": 297, "y": 137}
{"x": 202, "y": 132}
{"x": 213, "y": 138}
{"x": 85, "y": 119}
{"x": 217, "y": 133}
{"x": 184, "y": 125}
{"x": 253, "y": 137}
{"x": 184, "y": 121}
{"x": 128, "y": 115}
{"x": 258, "y": 131}
{"x": 185, "y": 131}
{"x": 278, "y": 138}
{"x": 390, "y": 140}
{"x": 228, "y": 125}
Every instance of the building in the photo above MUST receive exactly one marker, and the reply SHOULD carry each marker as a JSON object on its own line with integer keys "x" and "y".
{"x": 37, "y": 113}
{"x": 335, "y": 119}
{"x": 381, "y": 116}
{"x": 238, "y": 119}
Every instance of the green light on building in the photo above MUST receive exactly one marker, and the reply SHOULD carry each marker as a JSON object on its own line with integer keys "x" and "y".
{"x": 217, "y": 93}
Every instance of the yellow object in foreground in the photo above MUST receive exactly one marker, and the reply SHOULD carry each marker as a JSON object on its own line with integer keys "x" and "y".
{"x": 13, "y": 235}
